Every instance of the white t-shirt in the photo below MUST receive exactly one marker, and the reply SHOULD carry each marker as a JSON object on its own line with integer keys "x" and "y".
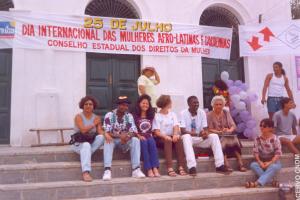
{"x": 200, "y": 120}
{"x": 149, "y": 85}
{"x": 276, "y": 86}
{"x": 165, "y": 123}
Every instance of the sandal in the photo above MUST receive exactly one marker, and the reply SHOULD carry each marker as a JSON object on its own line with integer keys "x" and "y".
{"x": 171, "y": 173}
{"x": 275, "y": 184}
{"x": 242, "y": 168}
{"x": 156, "y": 172}
{"x": 250, "y": 184}
{"x": 150, "y": 173}
{"x": 181, "y": 171}
{"x": 229, "y": 169}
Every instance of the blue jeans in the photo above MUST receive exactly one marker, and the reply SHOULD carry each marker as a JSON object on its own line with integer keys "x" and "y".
{"x": 135, "y": 151}
{"x": 265, "y": 176}
{"x": 149, "y": 152}
{"x": 85, "y": 150}
{"x": 274, "y": 104}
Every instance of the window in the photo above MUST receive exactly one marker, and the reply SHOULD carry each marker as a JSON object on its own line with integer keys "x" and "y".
{"x": 295, "y": 7}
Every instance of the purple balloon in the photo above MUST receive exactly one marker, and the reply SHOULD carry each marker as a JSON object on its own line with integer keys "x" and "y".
{"x": 238, "y": 83}
{"x": 245, "y": 115}
{"x": 234, "y": 112}
{"x": 248, "y": 132}
{"x": 238, "y": 119}
{"x": 241, "y": 127}
{"x": 229, "y": 83}
{"x": 244, "y": 87}
{"x": 251, "y": 123}
{"x": 238, "y": 90}
{"x": 247, "y": 101}
{"x": 233, "y": 90}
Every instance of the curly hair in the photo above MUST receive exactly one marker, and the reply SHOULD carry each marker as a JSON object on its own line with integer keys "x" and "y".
{"x": 150, "y": 112}
{"x": 88, "y": 98}
{"x": 221, "y": 85}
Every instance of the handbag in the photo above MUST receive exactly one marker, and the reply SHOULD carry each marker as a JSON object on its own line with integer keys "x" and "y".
{"x": 82, "y": 137}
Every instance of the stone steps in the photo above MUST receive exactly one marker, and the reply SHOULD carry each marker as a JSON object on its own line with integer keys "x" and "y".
{"x": 67, "y": 171}
{"x": 130, "y": 186}
{"x": 65, "y": 154}
{"x": 18, "y": 155}
{"x": 233, "y": 193}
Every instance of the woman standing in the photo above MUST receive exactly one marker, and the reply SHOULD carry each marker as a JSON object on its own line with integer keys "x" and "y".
{"x": 221, "y": 122}
{"x": 267, "y": 151}
{"x": 166, "y": 128}
{"x": 146, "y": 84}
{"x": 88, "y": 124}
{"x": 143, "y": 117}
{"x": 275, "y": 83}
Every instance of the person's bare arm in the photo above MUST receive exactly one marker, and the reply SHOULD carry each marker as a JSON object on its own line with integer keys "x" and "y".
{"x": 142, "y": 89}
{"x": 266, "y": 85}
{"x": 158, "y": 134}
{"x": 99, "y": 125}
{"x": 80, "y": 125}
{"x": 288, "y": 89}
{"x": 157, "y": 78}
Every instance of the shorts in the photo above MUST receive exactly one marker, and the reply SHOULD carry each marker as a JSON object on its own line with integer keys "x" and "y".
{"x": 274, "y": 104}
{"x": 289, "y": 137}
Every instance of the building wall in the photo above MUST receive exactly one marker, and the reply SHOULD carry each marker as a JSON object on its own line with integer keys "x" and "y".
{"x": 47, "y": 84}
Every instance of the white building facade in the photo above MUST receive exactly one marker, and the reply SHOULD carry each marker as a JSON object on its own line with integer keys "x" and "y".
{"x": 46, "y": 85}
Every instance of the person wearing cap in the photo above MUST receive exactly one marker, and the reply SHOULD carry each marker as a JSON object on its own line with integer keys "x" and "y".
{"x": 120, "y": 131}
{"x": 146, "y": 84}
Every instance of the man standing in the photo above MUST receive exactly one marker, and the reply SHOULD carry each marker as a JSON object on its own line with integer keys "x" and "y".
{"x": 193, "y": 124}
{"x": 120, "y": 131}
{"x": 146, "y": 84}
{"x": 285, "y": 125}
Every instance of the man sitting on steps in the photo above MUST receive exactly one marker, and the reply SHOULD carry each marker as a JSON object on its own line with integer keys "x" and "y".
{"x": 285, "y": 125}
{"x": 120, "y": 131}
{"x": 193, "y": 124}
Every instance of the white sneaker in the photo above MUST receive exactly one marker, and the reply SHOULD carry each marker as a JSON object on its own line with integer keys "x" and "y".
{"x": 137, "y": 173}
{"x": 107, "y": 175}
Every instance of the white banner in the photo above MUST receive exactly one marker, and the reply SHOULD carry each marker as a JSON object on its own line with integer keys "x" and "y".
{"x": 270, "y": 39}
{"x": 111, "y": 35}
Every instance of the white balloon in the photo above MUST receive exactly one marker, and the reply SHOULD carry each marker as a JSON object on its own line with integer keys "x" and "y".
{"x": 241, "y": 106}
{"x": 224, "y": 76}
{"x": 243, "y": 95}
{"x": 235, "y": 98}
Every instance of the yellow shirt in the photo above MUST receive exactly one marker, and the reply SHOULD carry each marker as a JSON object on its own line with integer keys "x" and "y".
{"x": 149, "y": 85}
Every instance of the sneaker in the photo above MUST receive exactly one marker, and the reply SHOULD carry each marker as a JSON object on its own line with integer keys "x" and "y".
{"x": 222, "y": 170}
{"x": 107, "y": 175}
{"x": 137, "y": 173}
{"x": 193, "y": 171}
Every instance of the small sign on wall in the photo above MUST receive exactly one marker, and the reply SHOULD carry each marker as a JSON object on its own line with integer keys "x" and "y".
{"x": 297, "y": 63}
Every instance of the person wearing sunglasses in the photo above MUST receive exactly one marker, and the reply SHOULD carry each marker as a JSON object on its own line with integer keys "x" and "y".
{"x": 267, "y": 152}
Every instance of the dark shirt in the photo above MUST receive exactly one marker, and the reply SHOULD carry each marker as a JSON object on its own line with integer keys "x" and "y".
{"x": 144, "y": 126}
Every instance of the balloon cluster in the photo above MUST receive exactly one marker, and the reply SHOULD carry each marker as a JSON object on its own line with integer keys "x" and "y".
{"x": 240, "y": 97}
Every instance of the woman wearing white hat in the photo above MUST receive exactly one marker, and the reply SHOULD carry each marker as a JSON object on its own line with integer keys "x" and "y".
{"x": 146, "y": 84}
